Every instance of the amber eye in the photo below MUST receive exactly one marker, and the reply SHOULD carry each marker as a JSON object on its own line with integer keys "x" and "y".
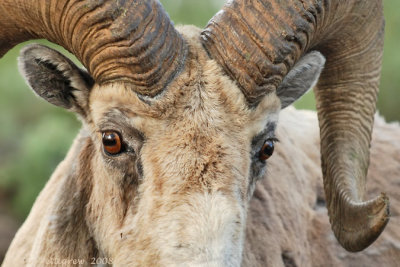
{"x": 112, "y": 142}
{"x": 267, "y": 150}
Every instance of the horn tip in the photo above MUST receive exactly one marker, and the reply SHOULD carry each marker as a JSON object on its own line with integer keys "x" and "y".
{"x": 369, "y": 227}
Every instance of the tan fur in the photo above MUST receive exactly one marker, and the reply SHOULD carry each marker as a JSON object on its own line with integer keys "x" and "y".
{"x": 190, "y": 206}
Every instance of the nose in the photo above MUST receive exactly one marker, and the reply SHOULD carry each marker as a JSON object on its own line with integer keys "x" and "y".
{"x": 209, "y": 231}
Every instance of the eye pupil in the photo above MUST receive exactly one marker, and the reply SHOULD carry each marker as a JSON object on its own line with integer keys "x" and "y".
{"x": 112, "y": 142}
{"x": 109, "y": 139}
{"x": 267, "y": 150}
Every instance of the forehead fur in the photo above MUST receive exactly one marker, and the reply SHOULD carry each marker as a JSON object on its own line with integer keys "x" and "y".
{"x": 202, "y": 93}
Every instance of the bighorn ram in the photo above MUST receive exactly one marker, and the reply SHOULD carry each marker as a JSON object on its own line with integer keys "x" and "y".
{"x": 178, "y": 124}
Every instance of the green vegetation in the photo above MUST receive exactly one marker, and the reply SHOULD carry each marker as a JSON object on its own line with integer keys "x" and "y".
{"x": 35, "y": 136}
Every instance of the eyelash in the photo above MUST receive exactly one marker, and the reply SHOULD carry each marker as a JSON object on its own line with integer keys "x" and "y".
{"x": 273, "y": 139}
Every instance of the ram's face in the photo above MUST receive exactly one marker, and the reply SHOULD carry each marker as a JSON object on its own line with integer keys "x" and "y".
{"x": 190, "y": 157}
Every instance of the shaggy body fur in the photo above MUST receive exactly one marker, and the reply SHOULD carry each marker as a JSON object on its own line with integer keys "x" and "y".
{"x": 288, "y": 223}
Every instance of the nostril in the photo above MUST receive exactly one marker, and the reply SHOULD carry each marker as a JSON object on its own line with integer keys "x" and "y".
{"x": 288, "y": 259}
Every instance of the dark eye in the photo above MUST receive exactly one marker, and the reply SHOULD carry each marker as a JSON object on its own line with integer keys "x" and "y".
{"x": 266, "y": 150}
{"x": 112, "y": 142}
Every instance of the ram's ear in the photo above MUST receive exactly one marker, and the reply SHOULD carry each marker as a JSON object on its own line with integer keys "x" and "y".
{"x": 55, "y": 78}
{"x": 301, "y": 78}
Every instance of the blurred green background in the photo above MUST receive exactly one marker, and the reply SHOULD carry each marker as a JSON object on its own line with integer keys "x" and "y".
{"x": 35, "y": 136}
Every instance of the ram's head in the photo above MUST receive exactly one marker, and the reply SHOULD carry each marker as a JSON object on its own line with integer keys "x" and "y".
{"x": 178, "y": 124}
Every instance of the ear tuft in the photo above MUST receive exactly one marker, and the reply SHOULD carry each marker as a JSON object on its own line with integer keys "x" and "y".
{"x": 55, "y": 78}
{"x": 301, "y": 78}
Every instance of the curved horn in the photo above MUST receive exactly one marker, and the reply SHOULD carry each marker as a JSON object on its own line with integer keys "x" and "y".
{"x": 258, "y": 41}
{"x": 126, "y": 40}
